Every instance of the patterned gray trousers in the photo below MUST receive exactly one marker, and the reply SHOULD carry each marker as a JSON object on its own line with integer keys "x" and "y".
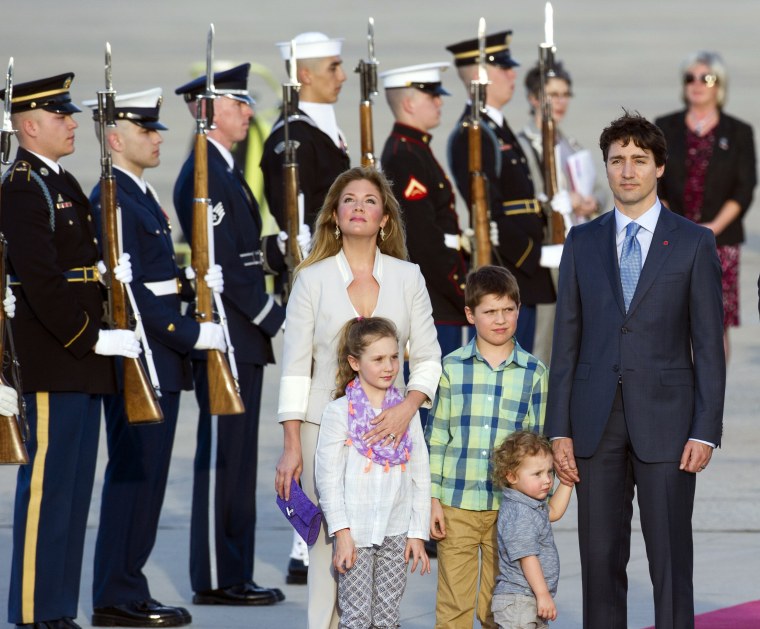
{"x": 369, "y": 594}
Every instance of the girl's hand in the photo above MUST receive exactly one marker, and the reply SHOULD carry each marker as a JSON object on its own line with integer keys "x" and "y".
{"x": 290, "y": 465}
{"x": 391, "y": 424}
{"x": 415, "y": 548}
{"x": 546, "y": 607}
{"x": 344, "y": 555}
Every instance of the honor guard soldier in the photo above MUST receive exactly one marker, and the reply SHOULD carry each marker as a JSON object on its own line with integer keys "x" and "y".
{"x": 321, "y": 154}
{"x": 253, "y": 318}
{"x": 139, "y": 455}
{"x": 65, "y": 356}
{"x": 321, "y": 151}
{"x": 516, "y": 215}
{"x": 425, "y": 193}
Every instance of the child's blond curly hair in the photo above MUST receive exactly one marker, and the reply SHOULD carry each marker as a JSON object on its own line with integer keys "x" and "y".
{"x": 508, "y": 457}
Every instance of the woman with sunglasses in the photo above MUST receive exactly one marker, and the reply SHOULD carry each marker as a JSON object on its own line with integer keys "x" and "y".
{"x": 710, "y": 175}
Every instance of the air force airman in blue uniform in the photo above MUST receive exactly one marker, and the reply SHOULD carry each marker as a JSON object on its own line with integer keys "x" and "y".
{"x": 221, "y": 565}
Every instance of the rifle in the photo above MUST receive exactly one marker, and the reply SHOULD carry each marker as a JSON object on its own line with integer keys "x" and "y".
{"x": 367, "y": 70}
{"x": 14, "y": 430}
{"x": 479, "y": 210}
{"x": 292, "y": 200}
{"x": 140, "y": 395}
{"x": 548, "y": 128}
{"x": 223, "y": 386}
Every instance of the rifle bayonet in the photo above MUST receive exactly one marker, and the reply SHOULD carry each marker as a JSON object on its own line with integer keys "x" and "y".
{"x": 7, "y": 131}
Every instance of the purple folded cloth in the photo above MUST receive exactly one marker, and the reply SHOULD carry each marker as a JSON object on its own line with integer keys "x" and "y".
{"x": 303, "y": 515}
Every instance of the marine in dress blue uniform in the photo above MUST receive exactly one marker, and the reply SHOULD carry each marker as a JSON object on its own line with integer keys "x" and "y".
{"x": 517, "y": 213}
{"x": 425, "y": 193}
{"x": 52, "y": 256}
{"x": 227, "y": 447}
{"x": 139, "y": 455}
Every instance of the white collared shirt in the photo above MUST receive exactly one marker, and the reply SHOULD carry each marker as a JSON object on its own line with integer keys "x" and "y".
{"x": 647, "y": 221}
{"x": 138, "y": 180}
{"x": 226, "y": 154}
{"x": 55, "y": 166}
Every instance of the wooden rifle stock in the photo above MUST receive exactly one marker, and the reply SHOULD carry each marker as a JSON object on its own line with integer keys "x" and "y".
{"x": 292, "y": 220}
{"x": 367, "y": 136}
{"x": 479, "y": 214}
{"x": 549, "y": 164}
{"x": 224, "y": 397}
{"x": 140, "y": 400}
{"x": 12, "y": 448}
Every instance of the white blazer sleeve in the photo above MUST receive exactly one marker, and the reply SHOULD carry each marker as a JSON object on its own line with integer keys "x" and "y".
{"x": 424, "y": 351}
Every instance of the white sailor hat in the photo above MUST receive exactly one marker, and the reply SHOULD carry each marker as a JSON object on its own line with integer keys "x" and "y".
{"x": 312, "y": 46}
{"x": 425, "y": 77}
{"x": 142, "y": 108}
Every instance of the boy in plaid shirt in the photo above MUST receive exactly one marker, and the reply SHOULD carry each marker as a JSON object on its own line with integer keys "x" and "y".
{"x": 489, "y": 389}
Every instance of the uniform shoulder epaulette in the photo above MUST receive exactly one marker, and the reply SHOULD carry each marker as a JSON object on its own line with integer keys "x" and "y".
{"x": 24, "y": 169}
{"x": 19, "y": 167}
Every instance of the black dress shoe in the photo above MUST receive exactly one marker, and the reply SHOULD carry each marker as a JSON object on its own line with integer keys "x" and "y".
{"x": 244, "y": 594}
{"x": 148, "y": 613}
{"x": 297, "y": 572}
{"x": 431, "y": 548}
{"x": 276, "y": 591}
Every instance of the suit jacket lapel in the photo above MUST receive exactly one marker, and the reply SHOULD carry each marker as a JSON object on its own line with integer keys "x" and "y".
{"x": 608, "y": 250}
{"x": 664, "y": 240}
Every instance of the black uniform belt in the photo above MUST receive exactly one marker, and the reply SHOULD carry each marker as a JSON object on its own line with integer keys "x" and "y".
{"x": 82, "y": 274}
{"x": 252, "y": 258}
{"x": 521, "y": 206}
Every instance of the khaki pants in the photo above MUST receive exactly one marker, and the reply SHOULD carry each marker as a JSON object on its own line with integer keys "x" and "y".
{"x": 469, "y": 550}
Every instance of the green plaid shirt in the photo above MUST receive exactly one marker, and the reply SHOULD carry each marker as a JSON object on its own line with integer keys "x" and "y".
{"x": 475, "y": 409}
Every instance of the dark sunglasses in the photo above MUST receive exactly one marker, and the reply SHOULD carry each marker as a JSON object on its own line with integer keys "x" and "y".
{"x": 707, "y": 79}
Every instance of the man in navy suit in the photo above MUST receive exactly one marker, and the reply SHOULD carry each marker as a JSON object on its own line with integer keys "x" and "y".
{"x": 139, "y": 455}
{"x": 637, "y": 380}
{"x": 223, "y": 525}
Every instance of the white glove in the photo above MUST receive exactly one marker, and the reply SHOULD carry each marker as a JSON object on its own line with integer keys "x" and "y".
{"x": 122, "y": 271}
{"x": 8, "y": 401}
{"x": 189, "y": 273}
{"x": 562, "y": 203}
{"x": 214, "y": 279}
{"x": 466, "y": 239}
{"x": 211, "y": 336}
{"x": 304, "y": 240}
{"x": 282, "y": 238}
{"x": 494, "y": 233}
{"x": 9, "y": 305}
{"x": 118, "y": 343}
{"x": 550, "y": 256}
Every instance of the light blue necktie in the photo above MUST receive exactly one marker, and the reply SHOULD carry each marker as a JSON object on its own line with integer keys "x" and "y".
{"x": 630, "y": 262}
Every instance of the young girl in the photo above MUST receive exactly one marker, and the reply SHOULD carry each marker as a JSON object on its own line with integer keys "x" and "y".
{"x": 376, "y": 499}
{"x": 528, "y": 559}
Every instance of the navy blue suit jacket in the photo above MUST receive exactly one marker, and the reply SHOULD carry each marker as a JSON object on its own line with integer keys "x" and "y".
{"x": 146, "y": 236}
{"x": 668, "y": 348}
{"x": 237, "y": 232}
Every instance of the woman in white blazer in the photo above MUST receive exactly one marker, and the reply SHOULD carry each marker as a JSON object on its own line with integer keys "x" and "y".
{"x": 357, "y": 267}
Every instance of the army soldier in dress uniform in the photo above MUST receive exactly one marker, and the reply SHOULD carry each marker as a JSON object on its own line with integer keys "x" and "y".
{"x": 516, "y": 212}
{"x": 65, "y": 356}
{"x": 254, "y": 318}
{"x": 321, "y": 150}
{"x": 139, "y": 455}
{"x": 425, "y": 193}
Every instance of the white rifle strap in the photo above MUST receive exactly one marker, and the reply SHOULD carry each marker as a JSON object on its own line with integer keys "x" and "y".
{"x": 218, "y": 298}
{"x": 140, "y": 329}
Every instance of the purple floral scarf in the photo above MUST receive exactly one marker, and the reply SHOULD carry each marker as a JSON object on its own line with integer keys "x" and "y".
{"x": 360, "y": 414}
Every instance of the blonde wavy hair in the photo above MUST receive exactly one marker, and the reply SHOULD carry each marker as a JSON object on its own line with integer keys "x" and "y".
{"x": 324, "y": 242}
{"x": 508, "y": 457}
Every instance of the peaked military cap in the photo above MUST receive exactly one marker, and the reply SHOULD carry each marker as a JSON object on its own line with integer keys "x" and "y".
{"x": 142, "y": 108}
{"x": 50, "y": 94}
{"x": 497, "y": 51}
{"x": 426, "y": 77}
{"x": 232, "y": 83}
{"x": 312, "y": 46}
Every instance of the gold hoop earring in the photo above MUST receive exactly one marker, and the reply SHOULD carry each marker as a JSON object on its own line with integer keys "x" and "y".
{"x": 382, "y": 234}
{"x": 337, "y": 231}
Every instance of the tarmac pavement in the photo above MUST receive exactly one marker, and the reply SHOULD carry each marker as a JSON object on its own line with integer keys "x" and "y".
{"x": 620, "y": 55}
